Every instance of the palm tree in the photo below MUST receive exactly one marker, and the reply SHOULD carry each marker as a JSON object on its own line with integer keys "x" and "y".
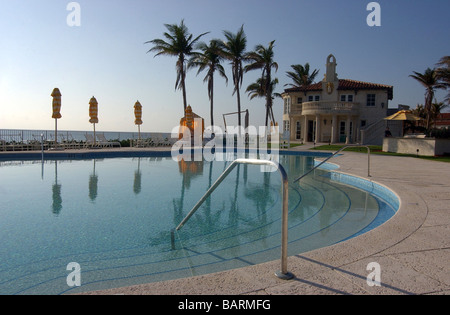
{"x": 179, "y": 43}
{"x": 210, "y": 59}
{"x": 262, "y": 58}
{"x": 443, "y": 73}
{"x": 234, "y": 50}
{"x": 301, "y": 77}
{"x": 430, "y": 81}
{"x": 436, "y": 109}
{"x": 419, "y": 111}
{"x": 257, "y": 89}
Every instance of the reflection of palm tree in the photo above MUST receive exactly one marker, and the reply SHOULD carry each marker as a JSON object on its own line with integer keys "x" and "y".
{"x": 234, "y": 210}
{"x": 56, "y": 193}
{"x": 206, "y": 221}
{"x": 262, "y": 198}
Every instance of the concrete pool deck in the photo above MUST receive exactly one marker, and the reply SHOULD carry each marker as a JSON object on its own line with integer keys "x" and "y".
{"x": 412, "y": 249}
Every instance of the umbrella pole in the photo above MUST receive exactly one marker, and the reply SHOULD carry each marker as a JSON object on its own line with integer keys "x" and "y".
{"x": 95, "y": 139}
{"x": 56, "y": 132}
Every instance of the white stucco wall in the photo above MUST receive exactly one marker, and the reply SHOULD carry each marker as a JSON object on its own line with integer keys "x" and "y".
{"x": 426, "y": 147}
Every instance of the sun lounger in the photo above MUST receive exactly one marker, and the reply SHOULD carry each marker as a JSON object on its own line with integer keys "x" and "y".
{"x": 90, "y": 141}
{"x": 105, "y": 143}
{"x": 144, "y": 143}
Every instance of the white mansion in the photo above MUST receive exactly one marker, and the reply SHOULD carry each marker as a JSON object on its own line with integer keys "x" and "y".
{"x": 335, "y": 110}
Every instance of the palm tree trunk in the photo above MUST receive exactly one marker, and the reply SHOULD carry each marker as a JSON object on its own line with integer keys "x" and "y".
{"x": 239, "y": 107}
{"x": 212, "y": 103}
{"x": 273, "y": 117}
{"x": 267, "y": 114}
{"x": 182, "y": 78}
{"x": 183, "y": 87}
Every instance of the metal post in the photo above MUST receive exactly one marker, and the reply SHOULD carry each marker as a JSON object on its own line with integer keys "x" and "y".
{"x": 42, "y": 147}
{"x": 283, "y": 273}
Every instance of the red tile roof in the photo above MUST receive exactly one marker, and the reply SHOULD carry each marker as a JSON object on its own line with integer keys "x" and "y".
{"x": 346, "y": 84}
{"x": 312, "y": 87}
{"x": 443, "y": 119}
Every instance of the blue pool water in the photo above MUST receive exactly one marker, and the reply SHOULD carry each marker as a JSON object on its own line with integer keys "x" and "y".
{"x": 114, "y": 218}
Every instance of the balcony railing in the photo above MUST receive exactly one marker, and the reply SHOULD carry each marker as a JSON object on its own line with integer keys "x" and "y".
{"x": 325, "y": 107}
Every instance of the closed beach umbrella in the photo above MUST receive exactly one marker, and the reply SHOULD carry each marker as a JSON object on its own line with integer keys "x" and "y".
{"x": 93, "y": 113}
{"x": 189, "y": 117}
{"x": 56, "y": 94}
{"x": 138, "y": 116}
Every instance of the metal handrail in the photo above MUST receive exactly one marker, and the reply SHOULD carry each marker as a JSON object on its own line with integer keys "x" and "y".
{"x": 337, "y": 152}
{"x": 283, "y": 273}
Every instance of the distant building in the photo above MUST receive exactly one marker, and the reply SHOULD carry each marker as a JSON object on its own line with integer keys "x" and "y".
{"x": 443, "y": 120}
{"x": 335, "y": 110}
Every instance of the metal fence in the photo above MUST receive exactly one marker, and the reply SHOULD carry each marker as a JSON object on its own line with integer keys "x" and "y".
{"x": 20, "y": 140}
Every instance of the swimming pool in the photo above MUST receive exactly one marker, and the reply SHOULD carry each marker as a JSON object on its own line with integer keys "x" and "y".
{"x": 114, "y": 218}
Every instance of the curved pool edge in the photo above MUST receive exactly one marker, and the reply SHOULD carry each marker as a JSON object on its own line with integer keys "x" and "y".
{"x": 336, "y": 269}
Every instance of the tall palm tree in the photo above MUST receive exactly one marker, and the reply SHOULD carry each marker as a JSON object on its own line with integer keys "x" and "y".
{"x": 262, "y": 58}
{"x": 301, "y": 77}
{"x": 209, "y": 58}
{"x": 443, "y": 73}
{"x": 180, "y": 43}
{"x": 234, "y": 49}
{"x": 430, "y": 81}
{"x": 258, "y": 89}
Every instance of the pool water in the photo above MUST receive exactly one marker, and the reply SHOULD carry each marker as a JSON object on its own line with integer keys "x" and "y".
{"x": 114, "y": 218}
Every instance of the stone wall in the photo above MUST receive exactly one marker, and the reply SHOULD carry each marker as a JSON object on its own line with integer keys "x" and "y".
{"x": 420, "y": 146}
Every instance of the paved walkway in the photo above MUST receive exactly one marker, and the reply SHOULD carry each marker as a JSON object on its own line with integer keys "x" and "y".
{"x": 412, "y": 249}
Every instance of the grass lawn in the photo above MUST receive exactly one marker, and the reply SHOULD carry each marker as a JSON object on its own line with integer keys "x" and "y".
{"x": 377, "y": 149}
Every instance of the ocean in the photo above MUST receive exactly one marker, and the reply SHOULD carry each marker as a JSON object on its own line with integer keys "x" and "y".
{"x": 17, "y": 135}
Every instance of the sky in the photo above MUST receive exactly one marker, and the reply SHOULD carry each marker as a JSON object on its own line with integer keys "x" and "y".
{"x": 105, "y": 55}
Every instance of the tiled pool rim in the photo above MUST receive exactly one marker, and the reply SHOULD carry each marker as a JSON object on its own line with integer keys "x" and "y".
{"x": 120, "y": 153}
{"x": 365, "y": 184}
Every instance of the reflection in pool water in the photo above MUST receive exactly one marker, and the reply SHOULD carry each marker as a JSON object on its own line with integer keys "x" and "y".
{"x": 114, "y": 217}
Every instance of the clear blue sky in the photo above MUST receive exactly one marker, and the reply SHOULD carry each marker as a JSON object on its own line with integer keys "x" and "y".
{"x": 106, "y": 57}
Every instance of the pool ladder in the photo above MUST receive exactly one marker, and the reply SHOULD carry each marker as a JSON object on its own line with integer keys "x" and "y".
{"x": 283, "y": 273}
{"x": 336, "y": 153}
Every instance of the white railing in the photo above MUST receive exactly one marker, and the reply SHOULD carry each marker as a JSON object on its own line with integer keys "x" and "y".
{"x": 327, "y": 107}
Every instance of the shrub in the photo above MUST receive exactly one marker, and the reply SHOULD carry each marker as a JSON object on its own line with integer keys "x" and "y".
{"x": 441, "y": 133}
